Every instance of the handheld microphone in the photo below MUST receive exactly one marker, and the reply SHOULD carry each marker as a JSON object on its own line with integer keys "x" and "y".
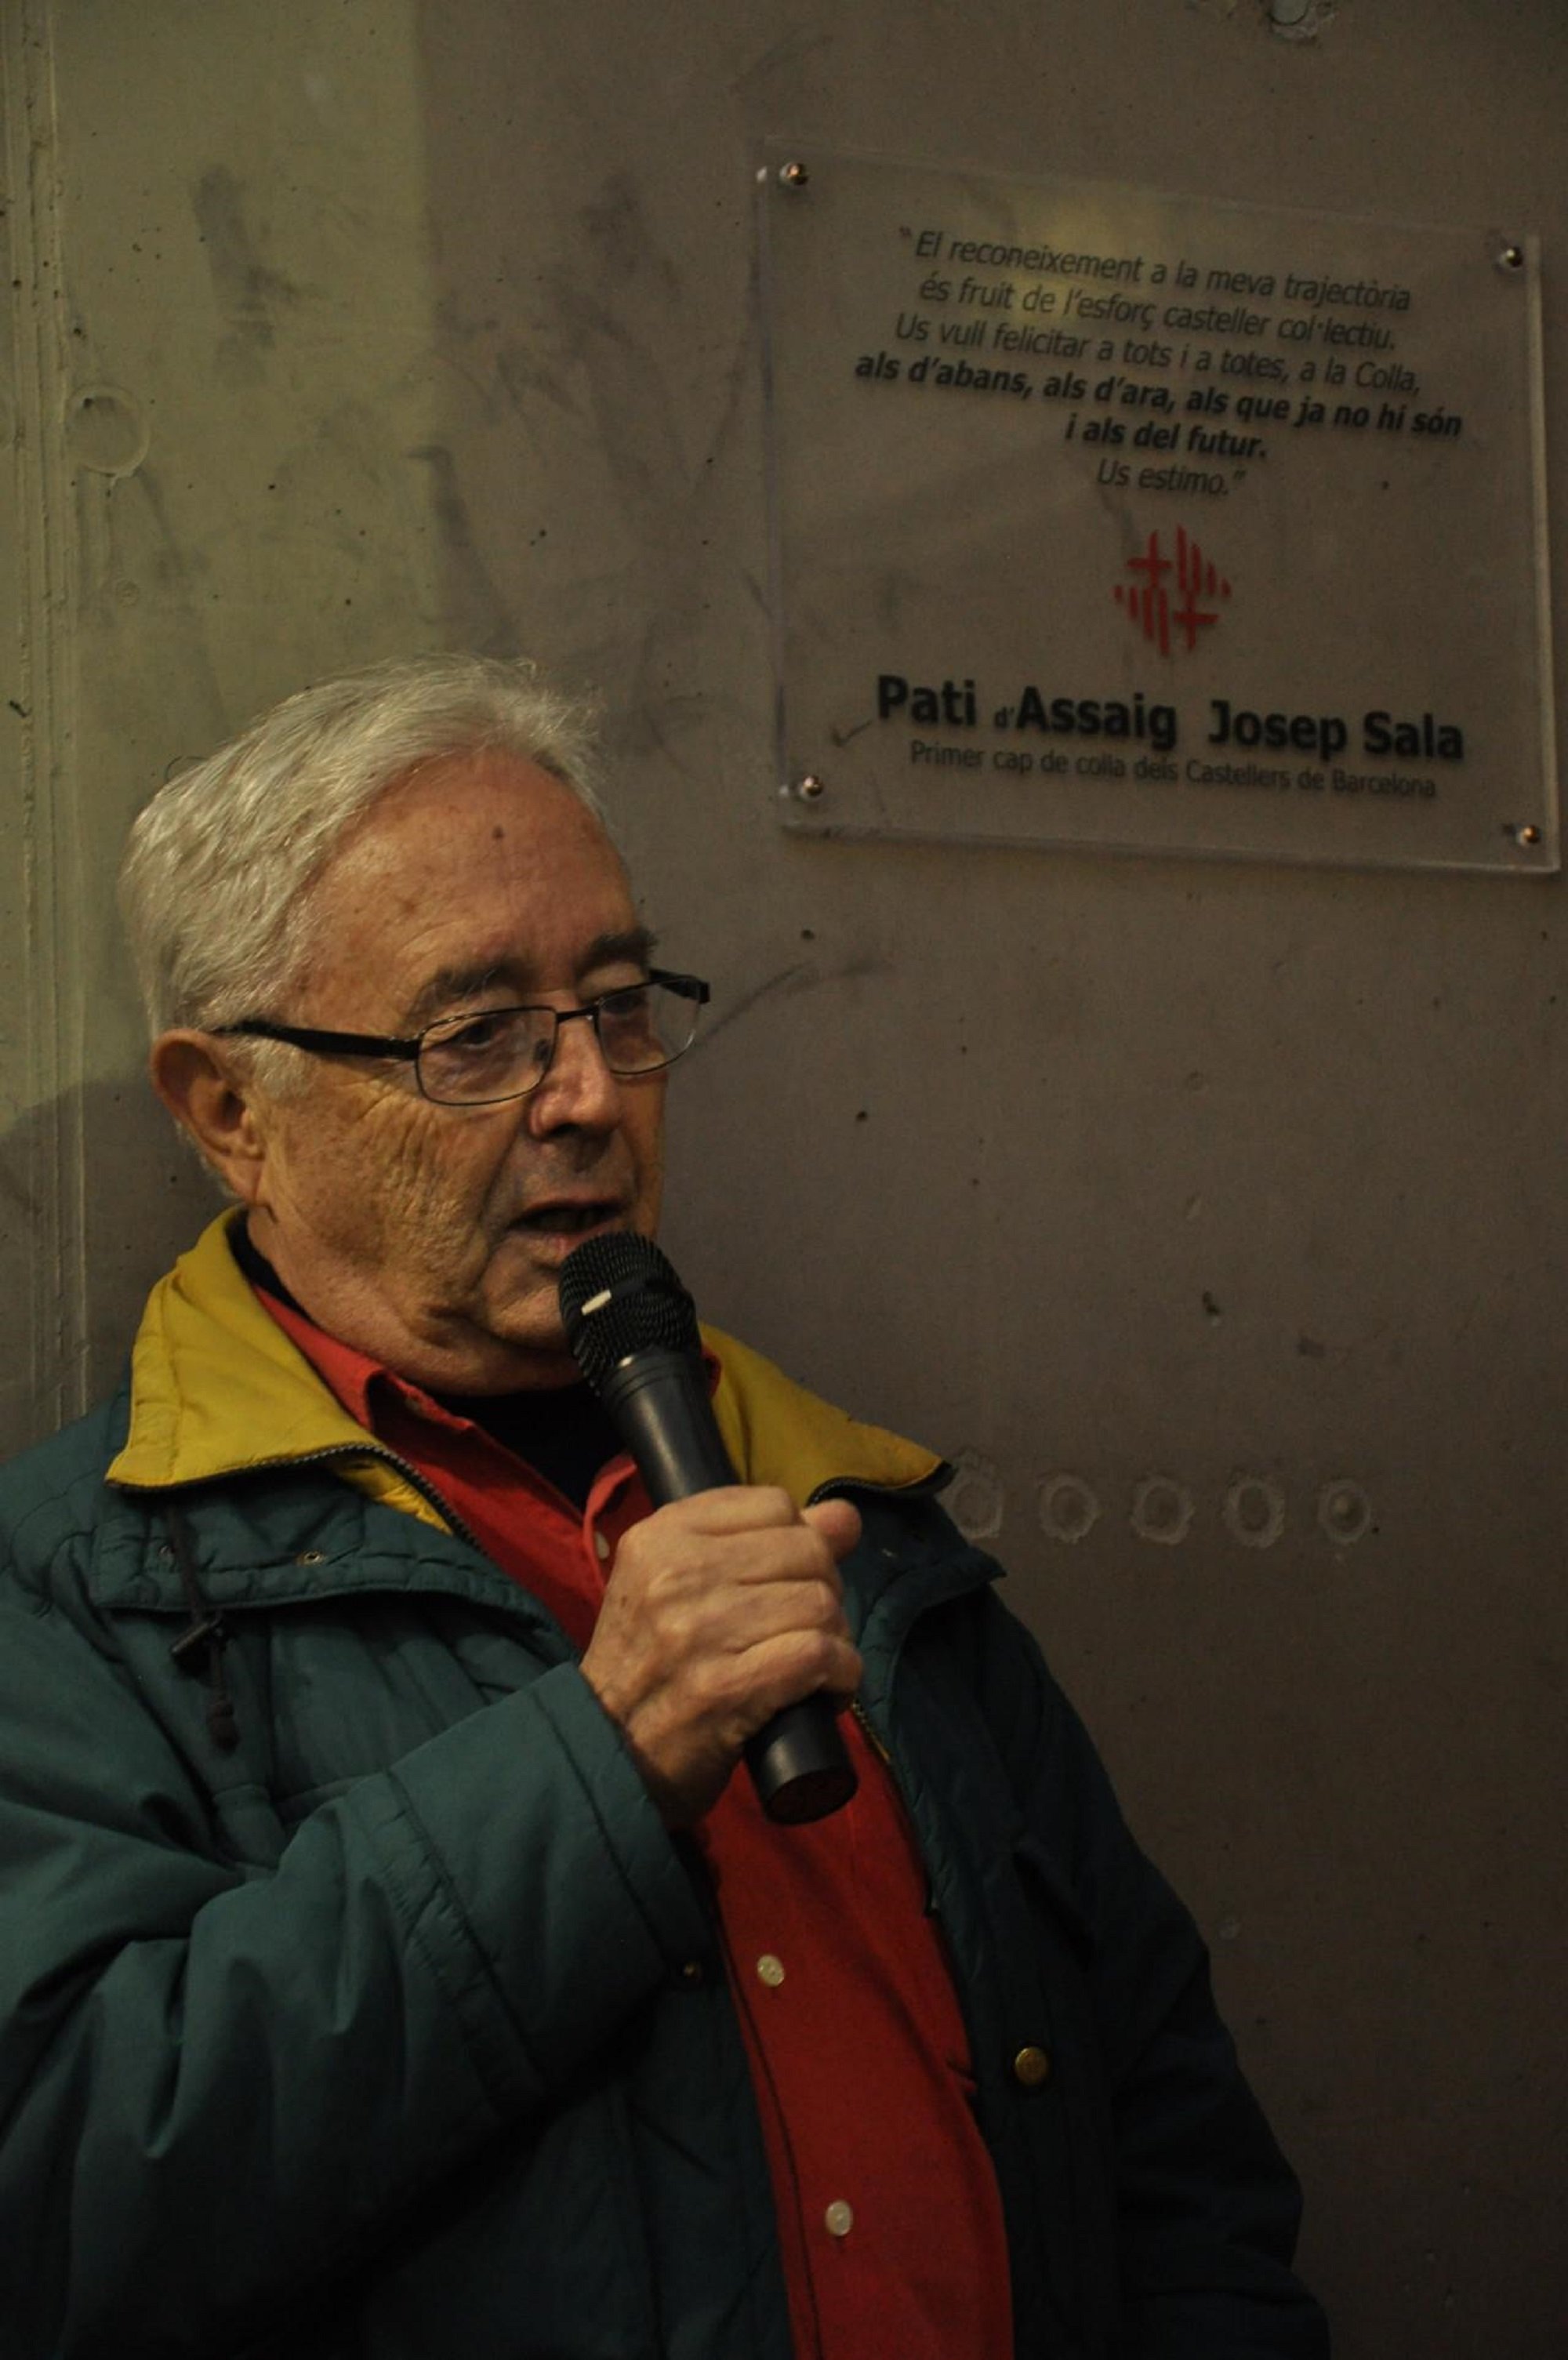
{"x": 632, "y": 1328}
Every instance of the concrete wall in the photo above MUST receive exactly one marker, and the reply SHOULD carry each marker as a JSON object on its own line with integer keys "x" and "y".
{"x": 341, "y": 331}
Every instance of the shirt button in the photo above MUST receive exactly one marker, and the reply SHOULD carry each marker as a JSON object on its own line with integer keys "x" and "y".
{"x": 770, "y": 1969}
{"x": 839, "y": 2218}
{"x": 692, "y": 1972}
{"x": 1032, "y": 2066}
{"x": 602, "y": 1547}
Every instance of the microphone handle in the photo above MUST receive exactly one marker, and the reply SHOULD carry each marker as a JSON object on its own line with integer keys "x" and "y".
{"x": 658, "y": 1401}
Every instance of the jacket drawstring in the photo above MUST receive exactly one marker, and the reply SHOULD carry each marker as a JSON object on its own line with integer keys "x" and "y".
{"x": 199, "y": 1647}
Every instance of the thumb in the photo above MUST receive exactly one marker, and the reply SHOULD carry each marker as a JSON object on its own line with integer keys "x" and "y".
{"x": 838, "y": 1521}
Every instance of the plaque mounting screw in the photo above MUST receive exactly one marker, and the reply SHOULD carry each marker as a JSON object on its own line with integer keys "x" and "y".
{"x": 1510, "y": 257}
{"x": 811, "y": 788}
{"x": 793, "y": 175}
{"x": 1528, "y": 835}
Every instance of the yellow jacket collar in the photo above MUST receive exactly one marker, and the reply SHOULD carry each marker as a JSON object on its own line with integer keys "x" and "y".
{"x": 217, "y": 1388}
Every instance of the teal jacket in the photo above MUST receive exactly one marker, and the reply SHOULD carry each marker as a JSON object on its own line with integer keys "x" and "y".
{"x": 355, "y": 2002}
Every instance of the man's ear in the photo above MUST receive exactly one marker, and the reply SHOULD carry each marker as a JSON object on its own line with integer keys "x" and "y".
{"x": 216, "y": 1104}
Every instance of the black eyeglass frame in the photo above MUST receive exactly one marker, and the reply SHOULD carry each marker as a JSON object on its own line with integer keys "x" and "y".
{"x": 410, "y": 1048}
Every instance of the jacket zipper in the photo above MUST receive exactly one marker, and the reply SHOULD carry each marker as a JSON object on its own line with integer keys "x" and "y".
{"x": 875, "y": 1739}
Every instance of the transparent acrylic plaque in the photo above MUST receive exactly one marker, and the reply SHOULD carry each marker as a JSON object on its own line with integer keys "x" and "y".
{"x": 1141, "y": 522}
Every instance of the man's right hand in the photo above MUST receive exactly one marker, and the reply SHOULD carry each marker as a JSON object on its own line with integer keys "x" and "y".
{"x": 719, "y": 1610}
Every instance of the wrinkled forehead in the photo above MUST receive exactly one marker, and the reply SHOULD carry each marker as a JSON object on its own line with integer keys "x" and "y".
{"x": 449, "y": 821}
{"x": 488, "y": 788}
{"x": 481, "y": 864}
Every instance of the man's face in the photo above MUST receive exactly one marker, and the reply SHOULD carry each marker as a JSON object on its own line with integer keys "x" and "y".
{"x": 433, "y": 1236}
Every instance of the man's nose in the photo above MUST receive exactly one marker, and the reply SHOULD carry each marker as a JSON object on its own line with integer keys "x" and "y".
{"x": 578, "y": 1088}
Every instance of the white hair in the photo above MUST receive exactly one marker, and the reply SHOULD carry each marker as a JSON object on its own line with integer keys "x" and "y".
{"x": 215, "y": 884}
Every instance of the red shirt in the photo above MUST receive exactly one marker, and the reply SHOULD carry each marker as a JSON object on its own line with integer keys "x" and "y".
{"x": 890, "y": 2220}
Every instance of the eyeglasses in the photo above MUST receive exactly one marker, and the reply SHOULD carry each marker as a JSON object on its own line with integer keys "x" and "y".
{"x": 504, "y": 1052}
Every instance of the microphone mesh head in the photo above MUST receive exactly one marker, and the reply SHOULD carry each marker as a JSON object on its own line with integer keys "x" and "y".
{"x": 619, "y": 1294}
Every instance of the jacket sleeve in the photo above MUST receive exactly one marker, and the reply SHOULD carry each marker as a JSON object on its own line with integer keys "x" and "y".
{"x": 220, "y": 2087}
{"x": 1207, "y": 2210}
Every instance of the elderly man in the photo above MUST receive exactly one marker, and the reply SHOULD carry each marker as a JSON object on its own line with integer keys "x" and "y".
{"x": 393, "y": 1965}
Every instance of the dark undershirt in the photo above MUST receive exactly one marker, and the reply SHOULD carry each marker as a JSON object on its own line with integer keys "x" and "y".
{"x": 562, "y": 1432}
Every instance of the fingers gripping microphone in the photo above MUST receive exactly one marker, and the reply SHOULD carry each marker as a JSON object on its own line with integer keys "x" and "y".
{"x": 633, "y": 1331}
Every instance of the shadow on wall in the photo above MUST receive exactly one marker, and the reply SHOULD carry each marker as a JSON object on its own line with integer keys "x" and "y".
{"x": 144, "y": 1199}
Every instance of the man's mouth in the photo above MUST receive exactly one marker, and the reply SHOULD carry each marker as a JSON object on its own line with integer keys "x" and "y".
{"x": 570, "y": 1219}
